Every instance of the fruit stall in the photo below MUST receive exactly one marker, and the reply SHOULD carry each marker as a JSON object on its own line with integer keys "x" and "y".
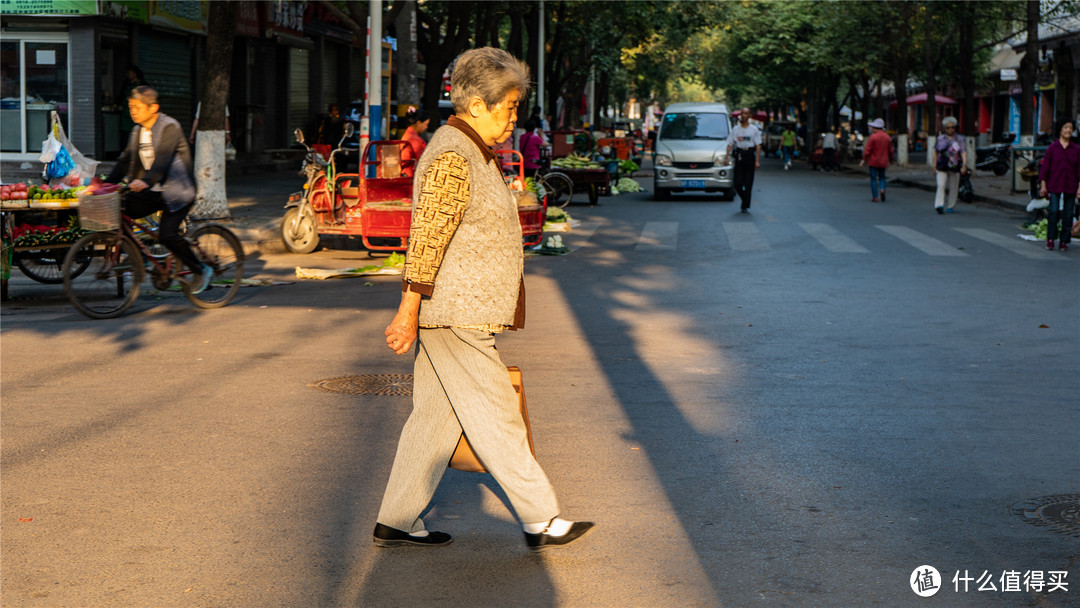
{"x": 38, "y": 223}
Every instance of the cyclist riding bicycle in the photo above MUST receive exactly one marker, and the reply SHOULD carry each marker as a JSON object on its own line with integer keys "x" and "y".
{"x": 158, "y": 167}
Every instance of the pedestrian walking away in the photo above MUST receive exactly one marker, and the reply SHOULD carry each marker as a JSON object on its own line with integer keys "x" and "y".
{"x": 787, "y": 145}
{"x": 530, "y": 144}
{"x": 950, "y": 161}
{"x": 157, "y": 166}
{"x": 877, "y": 154}
{"x": 828, "y": 151}
{"x": 745, "y": 143}
{"x": 418, "y": 121}
{"x": 452, "y": 308}
{"x": 1060, "y": 178}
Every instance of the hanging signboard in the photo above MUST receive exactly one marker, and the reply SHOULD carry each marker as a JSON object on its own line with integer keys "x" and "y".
{"x": 185, "y": 15}
{"x": 129, "y": 10}
{"x": 48, "y": 7}
{"x": 1008, "y": 74}
{"x": 247, "y": 19}
{"x": 286, "y": 17}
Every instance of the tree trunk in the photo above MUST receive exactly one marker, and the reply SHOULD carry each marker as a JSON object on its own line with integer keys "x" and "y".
{"x": 408, "y": 93}
{"x": 864, "y": 83}
{"x": 1029, "y": 66}
{"x": 929, "y": 62}
{"x": 901, "y": 118}
{"x": 967, "y": 68}
{"x": 210, "y": 200}
{"x": 532, "y": 57}
{"x": 439, "y": 49}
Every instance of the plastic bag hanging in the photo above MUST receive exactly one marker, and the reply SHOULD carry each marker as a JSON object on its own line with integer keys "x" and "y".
{"x": 60, "y": 166}
{"x": 49, "y": 148}
{"x": 82, "y": 169}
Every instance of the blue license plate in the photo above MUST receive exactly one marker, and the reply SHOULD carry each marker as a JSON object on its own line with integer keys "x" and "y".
{"x": 693, "y": 183}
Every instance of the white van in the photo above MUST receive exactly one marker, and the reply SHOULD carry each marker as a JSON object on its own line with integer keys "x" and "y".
{"x": 690, "y": 150}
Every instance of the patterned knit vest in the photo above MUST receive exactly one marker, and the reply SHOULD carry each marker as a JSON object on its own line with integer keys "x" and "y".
{"x": 480, "y": 274}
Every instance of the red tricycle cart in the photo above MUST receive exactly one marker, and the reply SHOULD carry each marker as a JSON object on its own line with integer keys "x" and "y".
{"x": 374, "y": 204}
{"x": 532, "y": 210}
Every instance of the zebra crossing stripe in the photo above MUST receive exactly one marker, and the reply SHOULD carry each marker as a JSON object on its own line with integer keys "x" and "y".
{"x": 927, "y": 244}
{"x": 831, "y": 239}
{"x": 1025, "y": 248}
{"x": 658, "y": 236}
{"x": 745, "y": 236}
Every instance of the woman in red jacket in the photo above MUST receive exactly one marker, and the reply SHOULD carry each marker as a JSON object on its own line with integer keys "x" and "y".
{"x": 877, "y": 153}
{"x": 1060, "y": 177}
{"x": 418, "y": 120}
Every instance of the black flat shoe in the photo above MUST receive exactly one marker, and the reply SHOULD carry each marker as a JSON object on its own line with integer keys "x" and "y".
{"x": 542, "y": 541}
{"x": 385, "y": 536}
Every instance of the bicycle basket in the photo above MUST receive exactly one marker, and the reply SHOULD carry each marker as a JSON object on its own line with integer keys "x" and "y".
{"x": 99, "y": 212}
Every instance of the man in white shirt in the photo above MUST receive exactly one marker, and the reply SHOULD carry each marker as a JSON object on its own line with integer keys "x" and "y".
{"x": 746, "y": 142}
{"x": 828, "y": 150}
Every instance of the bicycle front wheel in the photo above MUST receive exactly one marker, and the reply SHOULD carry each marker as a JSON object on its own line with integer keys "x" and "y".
{"x": 103, "y": 273}
{"x": 559, "y": 188}
{"x": 218, "y": 247}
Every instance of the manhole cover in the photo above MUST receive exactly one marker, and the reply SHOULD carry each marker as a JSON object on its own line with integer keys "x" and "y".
{"x": 1060, "y": 513}
{"x": 368, "y": 384}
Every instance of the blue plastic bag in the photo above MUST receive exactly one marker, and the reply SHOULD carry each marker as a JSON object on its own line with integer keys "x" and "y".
{"x": 59, "y": 166}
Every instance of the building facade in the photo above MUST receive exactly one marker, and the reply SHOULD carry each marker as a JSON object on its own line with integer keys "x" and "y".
{"x": 291, "y": 60}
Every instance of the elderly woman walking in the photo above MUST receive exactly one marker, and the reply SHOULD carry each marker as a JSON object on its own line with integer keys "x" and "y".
{"x": 950, "y": 161}
{"x": 463, "y": 284}
{"x": 1059, "y": 177}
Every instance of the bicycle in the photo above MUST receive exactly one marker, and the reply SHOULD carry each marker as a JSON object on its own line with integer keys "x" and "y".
{"x": 116, "y": 256}
{"x": 558, "y": 186}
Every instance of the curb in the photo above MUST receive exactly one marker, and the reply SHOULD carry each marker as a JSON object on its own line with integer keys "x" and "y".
{"x": 996, "y": 202}
{"x": 264, "y": 238}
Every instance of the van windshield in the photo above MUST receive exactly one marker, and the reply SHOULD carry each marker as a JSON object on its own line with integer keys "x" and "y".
{"x": 694, "y": 125}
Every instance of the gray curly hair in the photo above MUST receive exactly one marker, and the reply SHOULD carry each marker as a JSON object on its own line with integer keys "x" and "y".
{"x": 949, "y": 121}
{"x": 487, "y": 73}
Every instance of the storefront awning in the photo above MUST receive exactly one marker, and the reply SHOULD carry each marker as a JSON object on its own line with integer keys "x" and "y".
{"x": 915, "y": 100}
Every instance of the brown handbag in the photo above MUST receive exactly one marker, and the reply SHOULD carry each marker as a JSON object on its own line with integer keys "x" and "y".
{"x": 465, "y": 459}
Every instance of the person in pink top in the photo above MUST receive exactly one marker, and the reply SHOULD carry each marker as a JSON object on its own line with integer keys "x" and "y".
{"x": 1060, "y": 177}
{"x": 530, "y": 144}
{"x": 418, "y": 120}
{"x": 877, "y": 154}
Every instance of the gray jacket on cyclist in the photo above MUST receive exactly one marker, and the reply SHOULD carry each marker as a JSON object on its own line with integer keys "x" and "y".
{"x": 172, "y": 172}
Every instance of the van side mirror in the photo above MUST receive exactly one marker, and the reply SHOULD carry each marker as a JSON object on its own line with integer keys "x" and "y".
{"x": 299, "y": 136}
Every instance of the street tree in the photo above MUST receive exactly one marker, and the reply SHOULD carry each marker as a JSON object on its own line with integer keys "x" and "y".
{"x": 211, "y": 200}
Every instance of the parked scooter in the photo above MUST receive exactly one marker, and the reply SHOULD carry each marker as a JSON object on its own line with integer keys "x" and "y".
{"x": 298, "y": 228}
{"x": 997, "y": 157}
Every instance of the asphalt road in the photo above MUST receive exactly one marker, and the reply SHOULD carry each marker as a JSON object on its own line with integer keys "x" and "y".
{"x": 796, "y": 407}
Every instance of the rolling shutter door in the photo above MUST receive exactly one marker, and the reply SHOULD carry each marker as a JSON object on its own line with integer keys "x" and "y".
{"x": 299, "y": 104}
{"x": 166, "y": 63}
{"x": 330, "y": 75}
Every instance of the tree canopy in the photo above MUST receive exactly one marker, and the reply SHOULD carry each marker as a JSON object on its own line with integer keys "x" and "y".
{"x": 817, "y": 56}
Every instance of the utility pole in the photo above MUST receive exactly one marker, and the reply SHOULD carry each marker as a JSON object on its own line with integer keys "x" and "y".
{"x": 375, "y": 70}
{"x": 540, "y": 62}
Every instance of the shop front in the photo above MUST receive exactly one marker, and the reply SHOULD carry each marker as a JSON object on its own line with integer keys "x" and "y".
{"x": 35, "y": 83}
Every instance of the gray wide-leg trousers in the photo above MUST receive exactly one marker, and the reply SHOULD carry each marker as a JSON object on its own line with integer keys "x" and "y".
{"x": 460, "y": 384}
